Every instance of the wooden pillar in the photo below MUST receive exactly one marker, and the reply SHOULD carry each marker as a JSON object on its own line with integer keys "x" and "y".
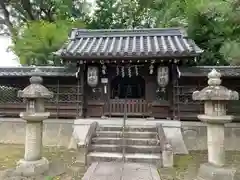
{"x": 170, "y": 92}
{"x": 105, "y": 93}
{"x": 174, "y": 94}
{"x": 84, "y": 85}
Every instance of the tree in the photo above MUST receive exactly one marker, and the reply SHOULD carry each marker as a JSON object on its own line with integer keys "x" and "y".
{"x": 104, "y": 15}
{"x": 39, "y": 39}
{"x": 132, "y": 15}
{"x": 39, "y": 27}
{"x": 116, "y": 14}
{"x": 213, "y": 25}
{"x": 17, "y": 12}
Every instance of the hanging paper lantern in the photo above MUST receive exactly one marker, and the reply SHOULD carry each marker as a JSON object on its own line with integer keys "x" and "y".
{"x": 162, "y": 76}
{"x": 92, "y": 76}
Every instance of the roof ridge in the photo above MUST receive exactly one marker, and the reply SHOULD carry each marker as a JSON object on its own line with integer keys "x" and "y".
{"x": 177, "y": 31}
{"x": 129, "y": 29}
{"x": 216, "y": 67}
{"x": 33, "y": 67}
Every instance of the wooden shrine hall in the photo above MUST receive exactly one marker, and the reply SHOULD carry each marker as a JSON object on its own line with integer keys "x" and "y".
{"x": 128, "y": 71}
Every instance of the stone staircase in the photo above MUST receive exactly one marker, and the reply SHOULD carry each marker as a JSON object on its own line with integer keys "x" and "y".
{"x": 142, "y": 144}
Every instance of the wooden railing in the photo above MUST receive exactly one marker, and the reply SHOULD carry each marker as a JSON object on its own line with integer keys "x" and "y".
{"x": 134, "y": 107}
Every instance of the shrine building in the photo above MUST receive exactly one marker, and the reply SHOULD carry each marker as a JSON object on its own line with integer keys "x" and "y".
{"x": 128, "y": 71}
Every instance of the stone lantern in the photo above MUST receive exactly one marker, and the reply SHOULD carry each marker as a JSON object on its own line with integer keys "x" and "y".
{"x": 215, "y": 99}
{"x": 34, "y": 94}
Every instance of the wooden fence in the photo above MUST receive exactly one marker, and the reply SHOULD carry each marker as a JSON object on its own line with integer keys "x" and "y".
{"x": 134, "y": 107}
{"x": 188, "y": 109}
{"x": 66, "y": 103}
{"x": 68, "y": 97}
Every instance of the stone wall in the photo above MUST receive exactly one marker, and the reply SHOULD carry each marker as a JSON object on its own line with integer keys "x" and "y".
{"x": 195, "y": 136}
{"x": 59, "y": 133}
{"x": 55, "y": 132}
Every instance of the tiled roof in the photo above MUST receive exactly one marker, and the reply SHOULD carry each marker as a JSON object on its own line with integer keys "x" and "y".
{"x": 228, "y": 71}
{"x": 45, "y": 71}
{"x": 197, "y": 71}
{"x": 166, "y": 42}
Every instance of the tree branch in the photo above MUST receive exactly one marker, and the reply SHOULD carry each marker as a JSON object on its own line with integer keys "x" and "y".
{"x": 2, "y": 21}
{"x": 47, "y": 10}
{"x": 28, "y": 8}
{"x": 6, "y": 19}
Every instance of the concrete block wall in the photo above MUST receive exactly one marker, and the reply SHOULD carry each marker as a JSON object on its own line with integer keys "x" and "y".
{"x": 195, "y": 136}
{"x": 55, "y": 132}
{"x": 60, "y": 133}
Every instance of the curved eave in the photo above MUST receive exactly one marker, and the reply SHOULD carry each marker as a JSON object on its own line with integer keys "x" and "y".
{"x": 143, "y": 56}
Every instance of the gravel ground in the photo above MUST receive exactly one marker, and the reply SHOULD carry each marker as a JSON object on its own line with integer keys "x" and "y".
{"x": 185, "y": 167}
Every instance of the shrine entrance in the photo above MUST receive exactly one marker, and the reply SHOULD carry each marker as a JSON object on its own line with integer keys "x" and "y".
{"x": 128, "y": 87}
{"x": 130, "y": 92}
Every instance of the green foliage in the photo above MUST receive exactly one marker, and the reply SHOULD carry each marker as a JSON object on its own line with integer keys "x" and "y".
{"x": 49, "y": 178}
{"x": 39, "y": 39}
{"x": 214, "y": 25}
{"x": 115, "y": 14}
{"x": 40, "y": 27}
{"x": 104, "y": 15}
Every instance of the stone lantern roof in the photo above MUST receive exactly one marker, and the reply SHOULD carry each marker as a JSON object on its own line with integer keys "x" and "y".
{"x": 214, "y": 90}
{"x": 35, "y": 89}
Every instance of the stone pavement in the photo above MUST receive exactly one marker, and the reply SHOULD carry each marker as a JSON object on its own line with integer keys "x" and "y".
{"x": 121, "y": 171}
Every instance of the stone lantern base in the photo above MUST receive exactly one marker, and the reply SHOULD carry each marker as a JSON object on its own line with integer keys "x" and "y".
{"x": 208, "y": 171}
{"x": 32, "y": 168}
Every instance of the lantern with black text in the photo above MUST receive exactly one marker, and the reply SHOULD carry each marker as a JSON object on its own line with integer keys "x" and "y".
{"x": 92, "y": 76}
{"x": 162, "y": 76}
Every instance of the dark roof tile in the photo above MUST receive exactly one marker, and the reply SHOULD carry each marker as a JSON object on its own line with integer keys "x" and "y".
{"x": 45, "y": 71}
{"x": 131, "y": 43}
{"x": 196, "y": 71}
{"x": 200, "y": 71}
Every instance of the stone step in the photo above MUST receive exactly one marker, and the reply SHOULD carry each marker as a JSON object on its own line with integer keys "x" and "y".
{"x": 129, "y": 134}
{"x": 129, "y": 157}
{"x": 128, "y": 148}
{"x": 127, "y": 128}
{"x": 128, "y": 141}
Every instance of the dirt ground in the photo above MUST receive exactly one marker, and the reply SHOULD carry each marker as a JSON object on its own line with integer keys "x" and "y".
{"x": 185, "y": 166}
{"x": 69, "y": 160}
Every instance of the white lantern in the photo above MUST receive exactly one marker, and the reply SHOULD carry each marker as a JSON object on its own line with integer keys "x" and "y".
{"x": 92, "y": 76}
{"x": 162, "y": 76}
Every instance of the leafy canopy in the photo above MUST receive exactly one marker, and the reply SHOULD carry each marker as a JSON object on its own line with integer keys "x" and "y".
{"x": 40, "y": 27}
{"x": 39, "y": 39}
{"x": 214, "y": 25}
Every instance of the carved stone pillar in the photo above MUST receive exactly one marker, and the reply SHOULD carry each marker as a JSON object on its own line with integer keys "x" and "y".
{"x": 33, "y": 162}
{"x": 215, "y": 98}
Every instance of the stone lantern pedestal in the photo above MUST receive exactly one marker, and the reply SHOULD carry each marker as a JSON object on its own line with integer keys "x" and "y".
{"x": 215, "y": 99}
{"x": 34, "y": 94}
